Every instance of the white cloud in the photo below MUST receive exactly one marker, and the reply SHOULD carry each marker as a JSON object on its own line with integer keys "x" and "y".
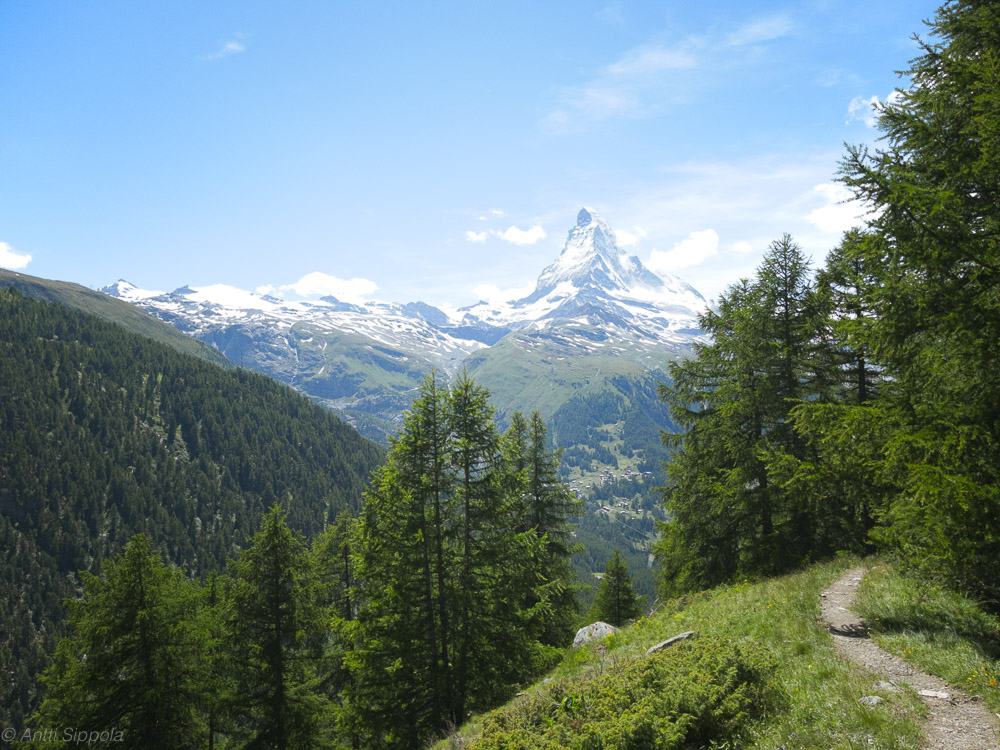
{"x": 864, "y": 110}
{"x": 648, "y": 60}
{"x": 523, "y": 236}
{"x": 752, "y": 199}
{"x": 496, "y": 212}
{"x": 698, "y": 247}
{"x": 867, "y": 110}
{"x": 742, "y": 247}
{"x": 840, "y": 212}
{"x": 626, "y": 238}
{"x": 476, "y": 236}
{"x": 10, "y": 258}
{"x": 764, "y": 30}
{"x": 494, "y": 294}
{"x": 226, "y": 48}
{"x": 317, "y": 284}
{"x": 650, "y": 78}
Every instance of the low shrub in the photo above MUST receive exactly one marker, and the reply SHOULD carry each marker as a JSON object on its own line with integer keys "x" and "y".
{"x": 697, "y": 691}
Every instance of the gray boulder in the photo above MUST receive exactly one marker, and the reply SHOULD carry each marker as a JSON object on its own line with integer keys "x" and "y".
{"x": 594, "y": 632}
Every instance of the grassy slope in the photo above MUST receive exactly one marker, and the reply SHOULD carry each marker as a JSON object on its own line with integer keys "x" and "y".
{"x": 813, "y": 701}
{"x": 540, "y": 371}
{"x": 110, "y": 309}
{"x": 369, "y": 383}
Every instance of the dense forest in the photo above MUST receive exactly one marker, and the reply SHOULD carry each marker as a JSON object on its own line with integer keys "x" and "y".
{"x": 105, "y": 434}
{"x": 452, "y": 587}
{"x": 860, "y": 407}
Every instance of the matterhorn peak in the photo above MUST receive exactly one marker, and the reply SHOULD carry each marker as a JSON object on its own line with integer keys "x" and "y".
{"x": 586, "y": 216}
{"x": 595, "y": 282}
{"x": 590, "y": 257}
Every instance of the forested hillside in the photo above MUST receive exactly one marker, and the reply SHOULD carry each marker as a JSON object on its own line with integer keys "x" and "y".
{"x": 450, "y": 590}
{"x": 104, "y": 434}
{"x": 129, "y": 317}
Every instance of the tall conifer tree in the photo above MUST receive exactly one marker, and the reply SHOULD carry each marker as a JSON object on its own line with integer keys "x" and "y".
{"x": 845, "y": 424}
{"x": 443, "y": 572}
{"x": 733, "y": 400}
{"x": 274, "y": 637}
{"x": 934, "y": 185}
{"x": 546, "y": 507}
{"x": 406, "y": 566}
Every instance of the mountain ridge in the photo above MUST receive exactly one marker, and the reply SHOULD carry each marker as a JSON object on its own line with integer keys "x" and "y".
{"x": 594, "y": 303}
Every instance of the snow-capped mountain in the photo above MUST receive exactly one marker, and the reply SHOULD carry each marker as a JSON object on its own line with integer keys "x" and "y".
{"x": 594, "y": 282}
{"x": 413, "y": 327}
{"x": 365, "y": 359}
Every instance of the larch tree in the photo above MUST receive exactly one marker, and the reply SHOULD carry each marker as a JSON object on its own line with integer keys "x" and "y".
{"x": 732, "y": 401}
{"x": 405, "y": 554}
{"x": 443, "y": 571}
{"x": 616, "y": 602}
{"x": 274, "y": 633}
{"x": 546, "y": 507}
{"x": 933, "y": 184}
{"x": 845, "y": 425}
{"x": 132, "y": 661}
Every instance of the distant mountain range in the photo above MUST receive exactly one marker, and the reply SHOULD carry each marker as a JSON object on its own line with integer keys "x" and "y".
{"x": 596, "y": 315}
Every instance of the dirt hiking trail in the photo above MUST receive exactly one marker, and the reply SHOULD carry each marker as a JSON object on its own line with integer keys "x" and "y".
{"x": 955, "y": 720}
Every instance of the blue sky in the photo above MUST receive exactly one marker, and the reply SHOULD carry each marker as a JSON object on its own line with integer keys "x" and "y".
{"x": 434, "y": 151}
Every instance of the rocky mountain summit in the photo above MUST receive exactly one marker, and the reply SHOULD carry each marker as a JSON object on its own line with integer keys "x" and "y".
{"x": 595, "y": 282}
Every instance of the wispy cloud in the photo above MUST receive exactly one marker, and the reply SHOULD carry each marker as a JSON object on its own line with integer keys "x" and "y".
{"x": 523, "y": 236}
{"x": 697, "y": 248}
{"x": 476, "y": 236}
{"x": 645, "y": 79}
{"x": 494, "y": 213}
{"x": 626, "y": 238}
{"x": 493, "y": 293}
{"x": 612, "y": 15}
{"x": 227, "y": 47}
{"x": 10, "y": 258}
{"x": 318, "y": 284}
{"x": 763, "y": 30}
{"x": 646, "y": 61}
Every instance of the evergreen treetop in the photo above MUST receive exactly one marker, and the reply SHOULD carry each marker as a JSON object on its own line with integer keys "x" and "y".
{"x": 616, "y": 602}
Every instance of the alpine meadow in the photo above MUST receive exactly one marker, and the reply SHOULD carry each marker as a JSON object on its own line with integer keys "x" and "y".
{"x": 559, "y": 498}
